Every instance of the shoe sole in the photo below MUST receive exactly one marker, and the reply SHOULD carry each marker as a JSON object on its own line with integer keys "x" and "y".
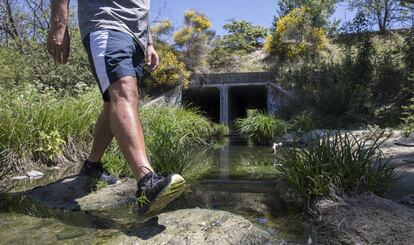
{"x": 170, "y": 192}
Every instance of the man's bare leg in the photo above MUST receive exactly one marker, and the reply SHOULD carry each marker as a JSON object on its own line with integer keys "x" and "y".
{"x": 126, "y": 126}
{"x": 102, "y": 135}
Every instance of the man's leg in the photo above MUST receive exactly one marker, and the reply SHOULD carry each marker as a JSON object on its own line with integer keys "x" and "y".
{"x": 102, "y": 135}
{"x": 126, "y": 126}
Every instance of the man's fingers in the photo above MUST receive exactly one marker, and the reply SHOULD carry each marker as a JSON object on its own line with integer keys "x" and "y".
{"x": 155, "y": 62}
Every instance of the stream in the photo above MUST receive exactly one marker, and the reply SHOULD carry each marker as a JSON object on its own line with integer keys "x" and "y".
{"x": 242, "y": 180}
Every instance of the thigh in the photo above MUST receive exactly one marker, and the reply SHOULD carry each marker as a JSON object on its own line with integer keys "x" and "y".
{"x": 111, "y": 55}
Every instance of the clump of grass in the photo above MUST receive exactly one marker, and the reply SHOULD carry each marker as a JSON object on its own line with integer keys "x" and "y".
{"x": 301, "y": 123}
{"x": 170, "y": 134}
{"x": 260, "y": 128}
{"x": 43, "y": 119}
{"x": 337, "y": 163}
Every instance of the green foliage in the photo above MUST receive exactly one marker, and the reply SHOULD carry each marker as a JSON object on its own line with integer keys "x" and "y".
{"x": 39, "y": 123}
{"x": 383, "y": 13}
{"x": 320, "y": 11}
{"x": 28, "y": 110}
{"x": 51, "y": 144}
{"x": 171, "y": 71}
{"x": 301, "y": 123}
{"x": 28, "y": 60}
{"x": 161, "y": 28}
{"x": 408, "y": 118}
{"x": 260, "y": 128}
{"x": 194, "y": 38}
{"x": 294, "y": 36}
{"x": 243, "y": 35}
{"x": 337, "y": 163}
{"x": 170, "y": 134}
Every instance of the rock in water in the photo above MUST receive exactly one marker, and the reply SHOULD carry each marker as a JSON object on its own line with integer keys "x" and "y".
{"x": 20, "y": 177}
{"x": 35, "y": 174}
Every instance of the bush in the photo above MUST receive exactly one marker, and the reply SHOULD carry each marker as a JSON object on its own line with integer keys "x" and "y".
{"x": 337, "y": 163}
{"x": 170, "y": 73}
{"x": 260, "y": 128}
{"x": 294, "y": 36}
{"x": 408, "y": 118}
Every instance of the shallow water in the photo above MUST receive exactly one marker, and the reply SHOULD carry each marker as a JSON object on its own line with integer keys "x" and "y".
{"x": 242, "y": 181}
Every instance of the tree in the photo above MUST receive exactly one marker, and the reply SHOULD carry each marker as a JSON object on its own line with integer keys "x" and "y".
{"x": 194, "y": 38}
{"x": 8, "y": 27}
{"x": 243, "y": 35}
{"x": 295, "y": 36}
{"x": 382, "y": 13}
{"x": 319, "y": 10}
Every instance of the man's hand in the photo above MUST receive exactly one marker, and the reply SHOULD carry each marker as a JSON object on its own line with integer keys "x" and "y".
{"x": 58, "y": 44}
{"x": 58, "y": 41}
{"x": 152, "y": 58}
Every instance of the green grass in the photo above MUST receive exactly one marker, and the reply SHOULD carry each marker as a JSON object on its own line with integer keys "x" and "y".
{"x": 260, "y": 128}
{"x": 40, "y": 124}
{"x": 338, "y": 163}
{"x": 259, "y": 168}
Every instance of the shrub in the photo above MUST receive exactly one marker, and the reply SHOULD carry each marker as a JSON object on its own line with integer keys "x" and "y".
{"x": 337, "y": 163}
{"x": 301, "y": 123}
{"x": 294, "y": 36}
{"x": 260, "y": 128}
{"x": 170, "y": 73}
{"x": 408, "y": 118}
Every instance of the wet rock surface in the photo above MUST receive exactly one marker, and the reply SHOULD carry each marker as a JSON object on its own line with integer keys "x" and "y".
{"x": 79, "y": 193}
{"x": 72, "y": 201}
{"x": 365, "y": 219}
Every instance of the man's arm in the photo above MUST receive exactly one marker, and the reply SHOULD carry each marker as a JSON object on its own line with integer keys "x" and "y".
{"x": 58, "y": 40}
{"x": 152, "y": 56}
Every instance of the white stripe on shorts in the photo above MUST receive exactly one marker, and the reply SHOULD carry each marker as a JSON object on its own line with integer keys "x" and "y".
{"x": 98, "y": 42}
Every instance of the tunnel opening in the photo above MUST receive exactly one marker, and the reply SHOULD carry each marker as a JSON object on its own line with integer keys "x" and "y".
{"x": 243, "y": 98}
{"x": 207, "y": 100}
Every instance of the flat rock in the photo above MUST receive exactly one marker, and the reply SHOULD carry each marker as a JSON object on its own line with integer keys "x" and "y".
{"x": 203, "y": 226}
{"x": 186, "y": 226}
{"x": 109, "y": 209}
{"x": 365, "y": 219}
{"x": 79, "y": 193}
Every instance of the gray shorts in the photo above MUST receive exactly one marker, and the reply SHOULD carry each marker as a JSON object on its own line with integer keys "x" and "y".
{"x": 113, "y": 55}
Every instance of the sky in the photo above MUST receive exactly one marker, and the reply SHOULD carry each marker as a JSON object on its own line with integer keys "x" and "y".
{"x": 259, "y": 12}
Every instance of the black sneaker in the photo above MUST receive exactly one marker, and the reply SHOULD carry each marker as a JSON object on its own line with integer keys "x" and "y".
{"x": 96, "y": 170}
{"x": 156, "y": 192}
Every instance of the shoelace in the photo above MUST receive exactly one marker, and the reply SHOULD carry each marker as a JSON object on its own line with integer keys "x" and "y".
{"x": 143, "y": 199}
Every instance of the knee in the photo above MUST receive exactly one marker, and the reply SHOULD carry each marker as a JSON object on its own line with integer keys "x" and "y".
{"x": 124, "y": 91}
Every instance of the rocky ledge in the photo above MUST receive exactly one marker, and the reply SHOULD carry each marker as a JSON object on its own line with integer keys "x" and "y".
{"x": 366, "y": 219}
